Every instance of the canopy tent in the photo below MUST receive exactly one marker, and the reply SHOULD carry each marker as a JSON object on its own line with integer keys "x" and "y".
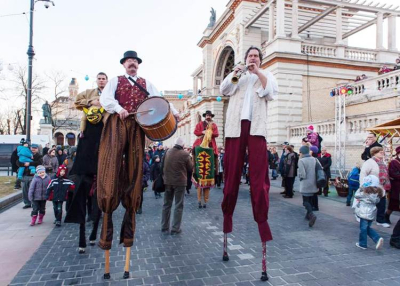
{"x": 386, "y": 132}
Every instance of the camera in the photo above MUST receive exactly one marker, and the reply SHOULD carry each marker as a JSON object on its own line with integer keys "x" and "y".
{"x": 47, "y": 5}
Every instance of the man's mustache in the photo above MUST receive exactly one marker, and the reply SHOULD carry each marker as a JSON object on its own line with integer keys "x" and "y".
{"x": 132, "y": 66}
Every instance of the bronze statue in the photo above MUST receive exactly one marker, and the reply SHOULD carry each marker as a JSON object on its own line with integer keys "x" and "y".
{"x": 47, "y": 113}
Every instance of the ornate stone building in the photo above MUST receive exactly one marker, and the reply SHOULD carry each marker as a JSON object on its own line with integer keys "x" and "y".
{"x": 305, "y": 45}
{"x": 66, "y": 119}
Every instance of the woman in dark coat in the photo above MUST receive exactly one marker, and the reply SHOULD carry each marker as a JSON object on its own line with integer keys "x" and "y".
{"x": 274, "y": 163}
{"x": 394, "y": 194}
{"x": 290, "y": 171}
{"x": 155, "y": 176}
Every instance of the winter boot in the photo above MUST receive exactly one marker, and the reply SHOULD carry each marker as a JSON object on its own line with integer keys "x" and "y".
{"x": 40, "y": 218}
{"x": 33, "y": 221}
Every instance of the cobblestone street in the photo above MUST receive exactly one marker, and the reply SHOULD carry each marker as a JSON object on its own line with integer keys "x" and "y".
{"x": 298, "y": 255}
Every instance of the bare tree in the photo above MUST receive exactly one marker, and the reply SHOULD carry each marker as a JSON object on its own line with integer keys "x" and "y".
{"x": 19, "y": 80}
{"x": 12, "y": 121}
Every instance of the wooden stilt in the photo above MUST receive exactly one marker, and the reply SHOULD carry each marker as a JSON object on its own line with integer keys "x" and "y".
{"x": 225, "y": 257}
{"x": 127, "y": 262}
{"x": 107, "y": 266}
{"x": 264, "y": 276}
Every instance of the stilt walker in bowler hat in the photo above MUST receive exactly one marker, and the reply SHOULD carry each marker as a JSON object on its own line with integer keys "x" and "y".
{"x": 246, "y": 128}
{"x": 120, "y": 167}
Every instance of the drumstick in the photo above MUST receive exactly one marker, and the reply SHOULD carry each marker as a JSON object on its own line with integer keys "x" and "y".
{"x": 138, "y": 112}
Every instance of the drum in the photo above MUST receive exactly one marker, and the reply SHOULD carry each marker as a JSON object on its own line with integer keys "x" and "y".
{"x": 155, "y": 117}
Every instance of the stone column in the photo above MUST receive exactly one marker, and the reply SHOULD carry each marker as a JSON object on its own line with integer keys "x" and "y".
{"x": 295, "y": 19}
{"x": 339, "y": 26}
{"x": 280, "y": 18}
{"x": 195, "y": 85}
{"x": 392, "y": 33}
{"x": 271, "y": 24}
{"x": 379, "y": 30}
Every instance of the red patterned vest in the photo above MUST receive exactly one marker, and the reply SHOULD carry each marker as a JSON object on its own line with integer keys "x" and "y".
{"x": 128, "y": 96}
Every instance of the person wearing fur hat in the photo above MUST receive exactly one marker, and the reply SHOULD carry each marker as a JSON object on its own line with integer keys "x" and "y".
{"x": 58, "y": 190}
{"x": 199, "y": 131}
{"x": 37, "y": 194}
{"x": 366, "y": 198}
{"x": 308, "y": 182}
{"x": 394, "y": 193}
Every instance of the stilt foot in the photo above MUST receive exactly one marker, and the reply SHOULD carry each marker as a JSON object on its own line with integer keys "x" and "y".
{"x": 107, "y": 276}
{"x": 225, "y": 257}
{"x": 264, "y": 276}
{"x": 126, "y": 275}
{"x": 82, "y": 250}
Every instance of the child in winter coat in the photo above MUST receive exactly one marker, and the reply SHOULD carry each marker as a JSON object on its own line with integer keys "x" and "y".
{"x": 25, "y": 155}
{"x": 37, "y": 194}
{"x": 366, "y": 198}
{"x": 354, "y": 183}
{"x": 57, "y": 192}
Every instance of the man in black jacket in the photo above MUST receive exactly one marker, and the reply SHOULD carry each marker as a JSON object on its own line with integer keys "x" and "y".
{"x": 14, "y": 168}
{"x": 326, "y": 161}
{"x": 27, "y": 177}
{"x": 369, "y": 144}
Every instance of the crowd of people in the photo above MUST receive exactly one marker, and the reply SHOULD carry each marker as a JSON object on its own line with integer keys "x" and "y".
{"x": 112, "y": 149}
{"x": 369, "y": 185}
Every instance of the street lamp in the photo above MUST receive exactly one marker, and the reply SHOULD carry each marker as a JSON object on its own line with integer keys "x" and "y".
{"x": 31, "y": 54}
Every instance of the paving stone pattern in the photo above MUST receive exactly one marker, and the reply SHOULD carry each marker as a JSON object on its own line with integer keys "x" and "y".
{"x": 298, "y": 255}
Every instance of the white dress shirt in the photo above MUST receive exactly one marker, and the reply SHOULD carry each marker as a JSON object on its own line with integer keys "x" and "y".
{"x": 247, "y": 82}
{"x": 111, "y": 105}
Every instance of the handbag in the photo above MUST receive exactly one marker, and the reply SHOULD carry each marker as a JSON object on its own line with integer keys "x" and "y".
{"x": 320, "y": 175}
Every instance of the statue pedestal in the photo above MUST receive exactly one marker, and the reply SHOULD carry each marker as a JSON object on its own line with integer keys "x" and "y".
{"x": 46, "y": 129}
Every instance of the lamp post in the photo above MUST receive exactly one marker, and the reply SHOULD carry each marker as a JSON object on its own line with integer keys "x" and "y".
{"x": 31, "y": 54}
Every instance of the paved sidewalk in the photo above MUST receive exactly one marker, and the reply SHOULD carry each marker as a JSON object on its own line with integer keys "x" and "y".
{"x": 19, "y": 240}
{"x": 298, "y": 255}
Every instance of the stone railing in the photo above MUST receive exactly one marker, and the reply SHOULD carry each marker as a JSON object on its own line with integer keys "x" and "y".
{"x": 360, "y": 54}
{"x": 374, "y": 88}
{"x": 355, "y": 127}
{"x": 318, "y": 50}
{"x": 331, "y": 51}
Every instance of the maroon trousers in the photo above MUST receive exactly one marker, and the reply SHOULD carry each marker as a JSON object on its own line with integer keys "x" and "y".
{"x": 235, "y": 150}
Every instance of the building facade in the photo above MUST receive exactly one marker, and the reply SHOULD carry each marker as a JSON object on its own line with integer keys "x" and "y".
{"x": 305, "y": 45}
{"x": 66, "y": 119}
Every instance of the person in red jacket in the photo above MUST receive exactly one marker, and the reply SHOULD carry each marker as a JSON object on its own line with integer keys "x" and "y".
{"x": 199, "y": 131}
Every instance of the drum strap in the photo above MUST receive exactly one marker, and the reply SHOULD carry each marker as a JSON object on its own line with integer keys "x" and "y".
{"x": 139, "y": 86}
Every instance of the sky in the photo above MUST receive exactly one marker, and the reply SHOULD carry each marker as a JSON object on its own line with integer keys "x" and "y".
{"x": 84, "y": 37}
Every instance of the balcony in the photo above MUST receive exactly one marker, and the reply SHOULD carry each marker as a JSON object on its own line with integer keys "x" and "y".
{"x": 356, "y": 54}
{"x": 376, "y": 88}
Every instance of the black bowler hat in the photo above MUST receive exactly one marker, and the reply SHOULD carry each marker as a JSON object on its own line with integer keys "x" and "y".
{"x": 208, "y": 112}
{"x": 130, "y": 55}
